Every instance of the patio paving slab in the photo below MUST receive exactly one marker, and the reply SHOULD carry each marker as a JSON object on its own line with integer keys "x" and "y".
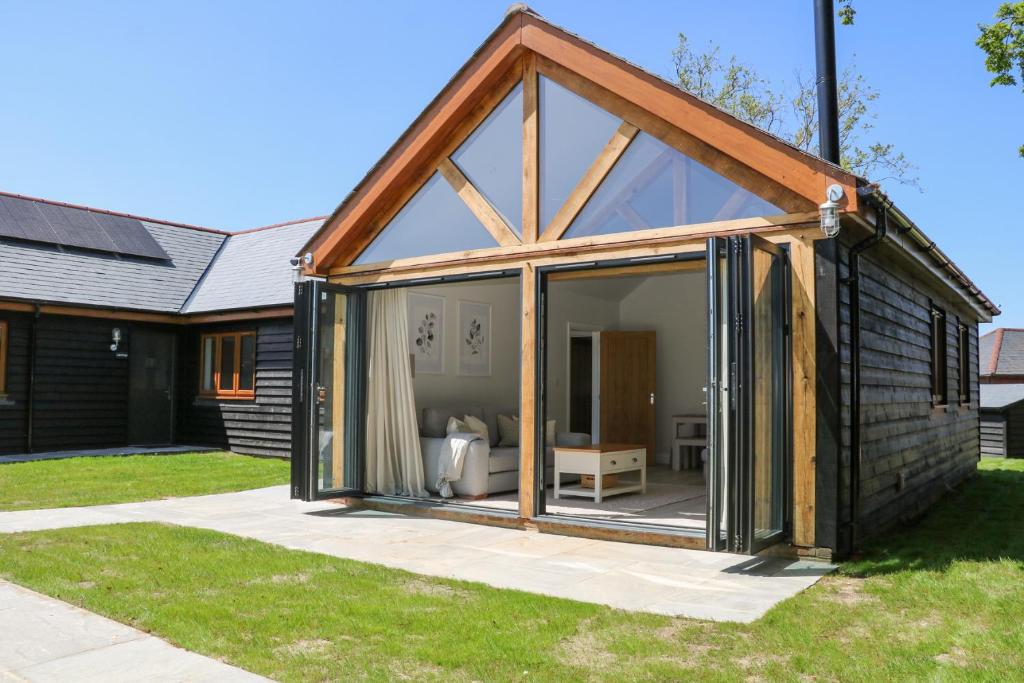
{"x": 48, "y": 640}
{"x": 671, "y": 581}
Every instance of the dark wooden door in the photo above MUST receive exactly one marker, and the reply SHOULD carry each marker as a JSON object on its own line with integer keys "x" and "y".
{"x": 150, "y": 386}
{"x": 581, "y": 396}
{"x": 627, "y": 388}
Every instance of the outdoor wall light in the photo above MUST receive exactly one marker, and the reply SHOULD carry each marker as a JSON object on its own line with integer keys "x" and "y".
{"x": 115, "y": 336}
{"x": 297, "y": 276}
{"x": 830, "y": 211}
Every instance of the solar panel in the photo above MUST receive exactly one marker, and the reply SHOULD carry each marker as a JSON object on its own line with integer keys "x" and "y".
{"x": 25, "y": 219}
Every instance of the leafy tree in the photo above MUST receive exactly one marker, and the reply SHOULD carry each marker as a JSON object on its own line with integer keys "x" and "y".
{"x": 791, "y": 111}
{"x": 1003, "y": 45}
{"x": 846, "y": 12}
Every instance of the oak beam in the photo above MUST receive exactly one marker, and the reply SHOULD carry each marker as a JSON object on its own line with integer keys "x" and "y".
{"x": 480, "y": 207}
{"x": 527, "y": 394}
{"x": 531, "y": 150}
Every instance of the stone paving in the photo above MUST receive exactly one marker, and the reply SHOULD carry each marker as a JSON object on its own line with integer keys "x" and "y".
{"x": 48, "y": 640}
{"x": 670, "y": 581}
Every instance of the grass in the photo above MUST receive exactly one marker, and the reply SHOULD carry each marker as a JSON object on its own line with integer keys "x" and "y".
{"x": 940, "y": 601}
{"x": 125, "y": 479}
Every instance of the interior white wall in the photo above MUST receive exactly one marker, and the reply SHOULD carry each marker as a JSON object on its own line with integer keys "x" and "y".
{"x": 674, "y": 307}
{"x": 567, "y": 305}
{"x": 500, "y": 391}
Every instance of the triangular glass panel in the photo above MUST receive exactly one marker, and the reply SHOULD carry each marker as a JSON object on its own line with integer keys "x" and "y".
{"x": 492, "y": 158}
{"x": 655, "y": 186}
{"x": 434, "y": 221}
{"x": 573, "y": 131}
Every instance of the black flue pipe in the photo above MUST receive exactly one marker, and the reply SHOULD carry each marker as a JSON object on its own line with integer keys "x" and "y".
{"x": 828, "y": 95}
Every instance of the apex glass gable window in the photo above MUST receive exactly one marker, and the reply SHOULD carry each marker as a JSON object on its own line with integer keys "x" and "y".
{"x": 434, "y": 221}
{"x": 964, "y": 349}
{"x": 655, "y": 186}
{"x": 492, "y": 159}
{"x": 227, "y": 367}
{"x": 939, "y": 371}
{"x": 573, "y": 131}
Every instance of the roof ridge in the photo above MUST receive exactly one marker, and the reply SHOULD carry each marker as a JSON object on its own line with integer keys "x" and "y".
{"x": 278, "y": 225}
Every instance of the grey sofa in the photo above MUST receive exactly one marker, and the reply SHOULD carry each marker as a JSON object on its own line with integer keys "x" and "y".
{"x": 488, "y": 468}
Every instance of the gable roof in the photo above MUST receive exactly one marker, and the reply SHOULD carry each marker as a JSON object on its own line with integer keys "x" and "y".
{"x": 206, "y": 270}
{"x": 229, "y": 282}
{"x": 1001, "y": 352}
{"x": 751, "y": 152}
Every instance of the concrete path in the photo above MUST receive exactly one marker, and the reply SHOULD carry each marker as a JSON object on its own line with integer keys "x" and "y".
{"x": 42, "y": 639}
{"x": 672, "y": 581}
{"x": 120, "y": 450}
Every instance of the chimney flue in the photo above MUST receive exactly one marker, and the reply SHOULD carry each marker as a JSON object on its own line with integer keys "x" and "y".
{"x": 828, "y": 97}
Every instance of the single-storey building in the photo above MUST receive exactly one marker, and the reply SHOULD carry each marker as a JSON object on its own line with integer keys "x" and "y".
{"x": 574, "y": 297}
{"x": 1002, "y": 393}
{"x": 121, "y": 330}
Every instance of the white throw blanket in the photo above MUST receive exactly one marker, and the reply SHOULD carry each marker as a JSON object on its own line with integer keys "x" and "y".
{"x": 451, "y": 460}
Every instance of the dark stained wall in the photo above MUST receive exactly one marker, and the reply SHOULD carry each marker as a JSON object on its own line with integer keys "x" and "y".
{"x": 81, "y": 387}
{"x": 259, "y": 426}
{"x": 14, "y": 407}
{"x": 912, "y": 453}
{"x": 993, "y": 433}
{"x": 1014, "y": 415}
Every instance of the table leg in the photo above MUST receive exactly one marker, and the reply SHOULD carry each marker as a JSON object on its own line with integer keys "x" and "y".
{"x": 598, "y": 481}
{"x": 643, "y": 479}
{"x": 558, "y": 479}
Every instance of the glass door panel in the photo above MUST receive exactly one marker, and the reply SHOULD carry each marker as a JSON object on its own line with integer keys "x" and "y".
{"x": 717, "y": 392}
{"x": 767, "y": 461}
{"x": 748, "y": 419}
{"x": 336, "y": 390}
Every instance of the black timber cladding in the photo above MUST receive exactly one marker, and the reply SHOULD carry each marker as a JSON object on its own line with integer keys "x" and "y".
{"x": 50, "y": 223}
{"x": 258, "y": 426}
{"x": 912, "y": 452}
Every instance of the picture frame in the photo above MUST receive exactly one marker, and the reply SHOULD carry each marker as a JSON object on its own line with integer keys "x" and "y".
{"x": 426, "y": 332}
{"x": 474, "y": 339}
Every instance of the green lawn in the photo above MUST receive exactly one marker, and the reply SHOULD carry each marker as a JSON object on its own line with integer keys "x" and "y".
{"x": 941, "y": 601}
{"x": 125, "y": 479}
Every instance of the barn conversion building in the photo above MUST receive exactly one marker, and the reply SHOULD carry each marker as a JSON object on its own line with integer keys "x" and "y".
{"x": 576, "y": 298}
{"x": 1002, "y": 393}
{"x": 120, "y": 330}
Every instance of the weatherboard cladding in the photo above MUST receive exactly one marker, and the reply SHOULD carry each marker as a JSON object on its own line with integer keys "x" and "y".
{"x": 252, "y": 270}
{"x": 55, "y": 274}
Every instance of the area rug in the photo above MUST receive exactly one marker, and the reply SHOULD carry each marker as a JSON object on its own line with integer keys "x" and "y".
{"x": 681, "y": 498}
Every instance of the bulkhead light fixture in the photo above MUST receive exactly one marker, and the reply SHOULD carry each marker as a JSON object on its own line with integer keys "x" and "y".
{"x": 830, "y": 211}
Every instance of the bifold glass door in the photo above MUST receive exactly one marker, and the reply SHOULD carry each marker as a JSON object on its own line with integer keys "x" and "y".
{"x": 748, "y": 390}
{"x": 336, "y": 390}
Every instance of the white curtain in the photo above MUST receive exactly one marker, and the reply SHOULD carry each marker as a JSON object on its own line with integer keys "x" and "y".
{"x": 394, "y": 465}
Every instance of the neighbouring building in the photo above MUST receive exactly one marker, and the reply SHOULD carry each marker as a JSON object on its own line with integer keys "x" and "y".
{"x": 120, "y": 330}
{"x": 576, "y": 298}
{"x": 1002, "y": 393}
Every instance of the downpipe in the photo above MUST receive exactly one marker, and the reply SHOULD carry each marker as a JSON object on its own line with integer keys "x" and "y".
{"x": 853, "y": 282}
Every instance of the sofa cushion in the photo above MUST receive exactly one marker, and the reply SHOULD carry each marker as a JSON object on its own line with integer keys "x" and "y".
{"x": 435, "y": 420}
{"x": 508, "y": 431}
{"x": 503, "y": 459}
{"x": 478, "y": 426}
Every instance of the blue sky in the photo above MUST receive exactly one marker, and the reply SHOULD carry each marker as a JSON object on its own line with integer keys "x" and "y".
{"x": 238, "y": 114}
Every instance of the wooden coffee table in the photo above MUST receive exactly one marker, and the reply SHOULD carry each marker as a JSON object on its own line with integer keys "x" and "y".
{"x": 598, "y": 460}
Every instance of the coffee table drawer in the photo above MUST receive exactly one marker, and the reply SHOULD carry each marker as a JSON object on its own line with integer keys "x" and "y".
{"x": 622, "y": 460}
